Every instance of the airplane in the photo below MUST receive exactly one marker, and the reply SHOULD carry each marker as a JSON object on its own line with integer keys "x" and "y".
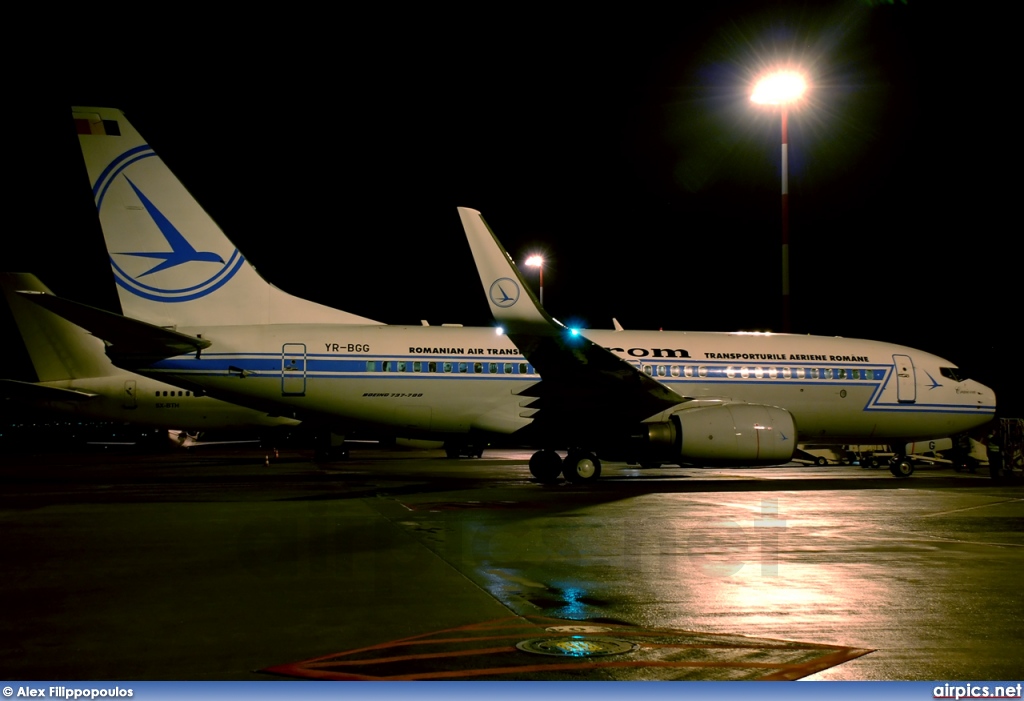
{"x": 202, "y": 317}
{"x": 76, "y": 376}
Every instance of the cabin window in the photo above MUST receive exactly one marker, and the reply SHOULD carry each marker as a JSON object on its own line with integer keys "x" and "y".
{"x": 812, "y": 373}
{"x": 840, "y": 373}
{"x": 744, "y": 372}
{"x": 702, "y": 371}
{"x": 800, "y": 373}
{"x": 523, "y": 368}
{"x": 492, "y": 368}
{"x": 447, "y": 367}
{"x": 478, "y": 368}
{"x": 773, "y": 373}
{"x": 787, "y": 373}
{"x": 662, "y": 371}
{"x": 508, "y": 368}
{"x": 463, "y": 367}
{"x": 386, "y": 366}
{"x": 688, "y": 371}
{"x": 759, "y": 373}
{"x": 826, "y": 373}
{"x": 432, "y": 366}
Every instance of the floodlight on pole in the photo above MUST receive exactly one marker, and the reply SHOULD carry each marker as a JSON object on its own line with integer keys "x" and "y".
{"x": 782, "y": 89}
{"x": 538, "y": 262}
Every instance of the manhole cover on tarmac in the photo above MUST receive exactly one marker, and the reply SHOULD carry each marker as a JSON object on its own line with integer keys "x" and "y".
{"x": 576, "y": 646}
{"x": 542, "y": 648}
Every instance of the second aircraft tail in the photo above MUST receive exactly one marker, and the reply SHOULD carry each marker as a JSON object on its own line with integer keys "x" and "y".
{"x": 58, "y": 349}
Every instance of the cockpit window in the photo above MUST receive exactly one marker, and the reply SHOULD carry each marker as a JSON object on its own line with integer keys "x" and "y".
{"x": 955, "y": 374}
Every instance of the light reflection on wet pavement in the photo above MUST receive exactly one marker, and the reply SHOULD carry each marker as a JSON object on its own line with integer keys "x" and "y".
{"x": 163, "y": 567}
{"x": 929, "y": 578}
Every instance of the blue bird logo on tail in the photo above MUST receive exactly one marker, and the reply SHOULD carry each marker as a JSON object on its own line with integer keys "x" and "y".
{"x": 177, "y": 284}
{"x": 181, "y": 250}
{"x": 504, "y": 292}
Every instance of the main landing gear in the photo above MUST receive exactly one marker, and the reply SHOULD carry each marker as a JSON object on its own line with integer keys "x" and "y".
{"x": 578, "y": 466}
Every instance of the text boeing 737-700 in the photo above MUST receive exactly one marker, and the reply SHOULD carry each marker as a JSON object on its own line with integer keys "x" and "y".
{"x": 202, "y": 317}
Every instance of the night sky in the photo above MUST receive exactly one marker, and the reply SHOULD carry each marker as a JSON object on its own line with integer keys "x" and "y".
{"x": 622, "y": 143}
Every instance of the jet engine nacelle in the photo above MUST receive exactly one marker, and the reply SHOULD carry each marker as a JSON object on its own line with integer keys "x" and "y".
{"x": 738, "y": 434}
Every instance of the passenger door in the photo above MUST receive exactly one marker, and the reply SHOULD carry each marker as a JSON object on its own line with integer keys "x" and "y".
{"x": 293, "y": 370}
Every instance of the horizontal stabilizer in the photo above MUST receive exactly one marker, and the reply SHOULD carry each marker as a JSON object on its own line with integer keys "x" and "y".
{"x": 29, "y": 391}
{"x": 130, "y": 343}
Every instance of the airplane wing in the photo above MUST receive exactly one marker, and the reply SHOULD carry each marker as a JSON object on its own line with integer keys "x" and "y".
{"x": 16, "y": 389}
{"x": 583, "y": 386}
{"x": 131, "y": 343}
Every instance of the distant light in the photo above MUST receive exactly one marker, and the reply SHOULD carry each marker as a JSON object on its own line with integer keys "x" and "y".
{"x": 780, "y": 88}
{"x": 535, "y": 261}
{"x": 499, "y": 330}
{"x": 574, "y": 332}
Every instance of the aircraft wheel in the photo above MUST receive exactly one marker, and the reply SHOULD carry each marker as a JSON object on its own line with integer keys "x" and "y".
{"x": 901, "y": 468}
{"x": 545, "y": 466}
{"x": 820, "y": 461}
{"x": 581, "y": 467}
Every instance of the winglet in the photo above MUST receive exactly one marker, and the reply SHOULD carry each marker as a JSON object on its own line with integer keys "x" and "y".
{"x": 574, "y": 370}
{"x": 510, "y": 298}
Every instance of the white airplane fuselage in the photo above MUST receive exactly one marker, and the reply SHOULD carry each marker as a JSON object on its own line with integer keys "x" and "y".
{"x": 429, "y": 381}
{"x": 136, "y": 399}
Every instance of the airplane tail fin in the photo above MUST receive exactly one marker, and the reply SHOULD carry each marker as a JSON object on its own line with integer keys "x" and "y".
{"x": 59, "y": 350}
{"x": 171, "y": 262}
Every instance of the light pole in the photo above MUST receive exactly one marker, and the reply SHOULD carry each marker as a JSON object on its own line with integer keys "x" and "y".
{"x": 782, "y": 89}
{"x": 538, "y": 262}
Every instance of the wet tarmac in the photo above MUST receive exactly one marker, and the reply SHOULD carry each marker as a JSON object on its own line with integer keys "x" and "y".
{"x": 215, "y": 565}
